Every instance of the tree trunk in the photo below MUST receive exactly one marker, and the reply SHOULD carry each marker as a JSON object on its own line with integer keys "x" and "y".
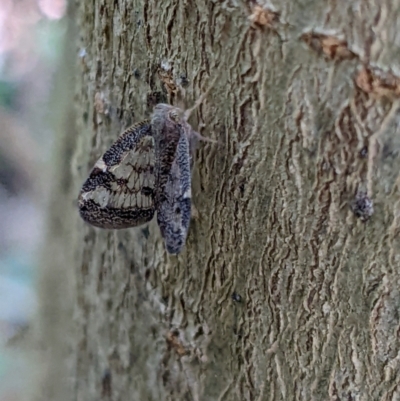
{"x": 288, "y": 286}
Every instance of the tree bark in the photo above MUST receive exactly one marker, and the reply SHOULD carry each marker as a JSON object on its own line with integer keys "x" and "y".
{"x": 288, "y": 287}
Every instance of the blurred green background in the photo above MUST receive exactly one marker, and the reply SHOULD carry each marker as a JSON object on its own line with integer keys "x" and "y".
{"x": 31, "y": 44}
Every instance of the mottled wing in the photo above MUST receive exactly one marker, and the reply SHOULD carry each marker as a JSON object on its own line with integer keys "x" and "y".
{"x": 120, "y": 190}
{"x": 174, "y": 206}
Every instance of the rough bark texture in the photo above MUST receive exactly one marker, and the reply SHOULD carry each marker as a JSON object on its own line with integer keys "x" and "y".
{"x": 282, "y": 291}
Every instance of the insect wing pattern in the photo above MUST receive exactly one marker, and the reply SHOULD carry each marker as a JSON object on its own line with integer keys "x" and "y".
{"x": 120, "y": 190}
{"x": 174, "y": 208}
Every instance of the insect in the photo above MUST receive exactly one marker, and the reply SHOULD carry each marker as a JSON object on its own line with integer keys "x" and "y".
{"x": 147, "y": 169}
{"x": 173, "y": 195}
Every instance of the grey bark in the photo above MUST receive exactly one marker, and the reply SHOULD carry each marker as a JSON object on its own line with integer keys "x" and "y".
{"x": 282, "y": 292}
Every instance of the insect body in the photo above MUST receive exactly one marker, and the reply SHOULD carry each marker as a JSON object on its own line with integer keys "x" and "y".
{"x": 174, "y": 200}
{"x": 146, "y": 170}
